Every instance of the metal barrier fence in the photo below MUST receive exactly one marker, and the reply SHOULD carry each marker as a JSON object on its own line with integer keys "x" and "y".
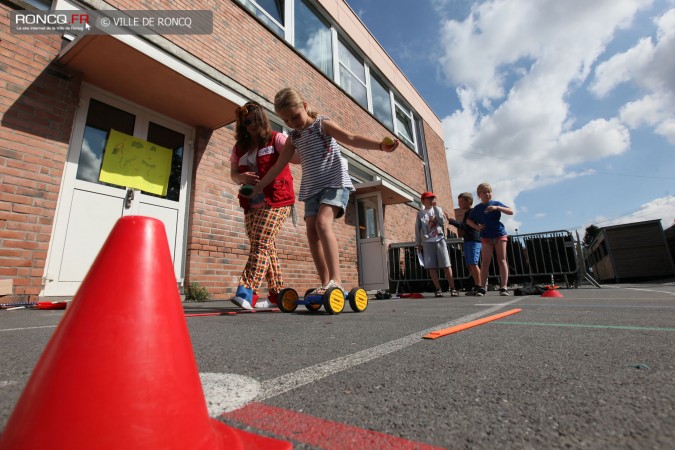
{"x": 532, "y": 258}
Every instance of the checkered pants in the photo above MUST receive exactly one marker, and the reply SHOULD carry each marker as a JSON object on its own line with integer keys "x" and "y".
{"x": 262, "y": 226}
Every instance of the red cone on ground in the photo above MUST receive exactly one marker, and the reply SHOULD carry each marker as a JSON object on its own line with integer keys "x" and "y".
{"x": 119, "y": 371}
{"x": 552, "y": 293}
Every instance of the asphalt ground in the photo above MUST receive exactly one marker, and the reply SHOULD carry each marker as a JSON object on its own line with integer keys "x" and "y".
{"x": 594, "y": 369}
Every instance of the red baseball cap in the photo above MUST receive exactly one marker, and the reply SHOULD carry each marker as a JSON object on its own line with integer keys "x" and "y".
{"x": 426, "y": 195}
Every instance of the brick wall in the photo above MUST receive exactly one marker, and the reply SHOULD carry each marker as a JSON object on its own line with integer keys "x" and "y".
{"x": 38, "y": 100}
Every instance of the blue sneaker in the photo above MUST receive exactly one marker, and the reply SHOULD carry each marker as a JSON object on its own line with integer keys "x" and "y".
{"x": 244, "y": 297}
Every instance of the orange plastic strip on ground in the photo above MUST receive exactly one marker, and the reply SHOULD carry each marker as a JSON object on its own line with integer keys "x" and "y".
{"x": 457, "y": 328}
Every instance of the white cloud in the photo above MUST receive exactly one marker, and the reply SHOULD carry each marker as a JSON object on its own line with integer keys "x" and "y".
{"x": 621, "y": 68}
{"x": 516, "y": 62}
{"x": 650, "y": 66}
{"x": 659, "y": 209}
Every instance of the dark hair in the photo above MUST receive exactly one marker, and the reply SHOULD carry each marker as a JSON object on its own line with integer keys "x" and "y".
{"x": 245, "y": 141}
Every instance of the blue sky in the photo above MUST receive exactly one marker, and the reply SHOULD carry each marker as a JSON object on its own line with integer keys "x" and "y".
{"x": 567, "y": 108}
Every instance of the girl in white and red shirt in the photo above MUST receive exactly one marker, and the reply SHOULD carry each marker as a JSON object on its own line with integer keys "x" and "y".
{"x": 255, "y": 152}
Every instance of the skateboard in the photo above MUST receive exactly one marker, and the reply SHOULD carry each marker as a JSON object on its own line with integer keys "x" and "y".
{"x": 333, "y": 300}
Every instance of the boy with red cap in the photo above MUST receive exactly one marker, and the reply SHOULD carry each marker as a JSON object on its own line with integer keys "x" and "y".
{"x": 430, "y": 240}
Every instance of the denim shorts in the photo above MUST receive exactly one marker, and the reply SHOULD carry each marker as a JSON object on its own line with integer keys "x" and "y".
{"x": 472, "y": 252}
{"x": 329, "y": 196}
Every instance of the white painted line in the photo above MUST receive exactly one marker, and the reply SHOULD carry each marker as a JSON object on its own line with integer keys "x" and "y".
{"x": 490, "y": 304}
{"x": 651, "y": 290}
{"x": 299, "y": 378}
{"x": 28, "y": 328}
{"x": 225, "y": 392}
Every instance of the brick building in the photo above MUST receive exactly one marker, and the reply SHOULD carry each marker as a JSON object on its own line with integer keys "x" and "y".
{"x": 60, "y": 95}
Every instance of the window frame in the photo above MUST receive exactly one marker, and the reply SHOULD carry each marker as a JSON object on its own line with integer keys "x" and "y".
{"x": 371, "y": 103}
{"x": 341, "y": 41}
{"x": 290, "y": 36}
{"x": 398, "y": 104}
{"x": 254, "y": 7}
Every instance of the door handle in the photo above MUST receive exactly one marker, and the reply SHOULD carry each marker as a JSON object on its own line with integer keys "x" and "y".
{"x": 128, "y": 198}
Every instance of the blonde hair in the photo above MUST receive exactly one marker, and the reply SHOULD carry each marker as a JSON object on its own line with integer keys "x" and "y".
{"x": 483, "y": 187}
{"x": 290, "y": 98}
{"x": 466, "y": 196}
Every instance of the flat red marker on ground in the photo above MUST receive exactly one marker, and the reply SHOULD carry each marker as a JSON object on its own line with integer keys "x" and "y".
{"x": 317, "y": 432}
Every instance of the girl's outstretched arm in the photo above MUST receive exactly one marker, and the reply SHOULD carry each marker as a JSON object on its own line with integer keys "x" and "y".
{"x": 332, "y": 129}
{"x": 285, "y": 155}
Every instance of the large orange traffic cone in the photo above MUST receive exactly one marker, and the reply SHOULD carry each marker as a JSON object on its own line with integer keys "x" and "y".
{"x": 119, "y": 371}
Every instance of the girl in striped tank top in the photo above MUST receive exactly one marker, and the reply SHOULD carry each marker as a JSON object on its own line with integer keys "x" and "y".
{"x": 325, "y": 185}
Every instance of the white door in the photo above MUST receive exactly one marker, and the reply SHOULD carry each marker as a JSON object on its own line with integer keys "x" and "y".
{"x": 88, "y": 208}
{"x": 373, "y": 272}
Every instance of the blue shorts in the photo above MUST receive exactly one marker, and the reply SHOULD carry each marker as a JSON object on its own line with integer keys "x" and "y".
{"x": 329, "y": 196}
{"x": 472, "y": 252}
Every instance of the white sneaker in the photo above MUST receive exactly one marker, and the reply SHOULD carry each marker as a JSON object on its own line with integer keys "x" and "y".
{"x": 332, "y": 284}
{"x": 263, "y": 304}
{"x": 242, "y": 303}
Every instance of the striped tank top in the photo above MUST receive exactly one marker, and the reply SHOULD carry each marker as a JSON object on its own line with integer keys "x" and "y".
{"x": 322, "y": 163}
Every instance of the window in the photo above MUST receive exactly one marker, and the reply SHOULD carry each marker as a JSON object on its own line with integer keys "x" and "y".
{"x": 40, "y": 4}
{"x": 352, "y": 74}
{"x": 357, "y": 174}
{"x": 174, "y": 141}
{"x": 404, "y": 125}
{"x": 101, "y": 118}
{"x": 313, "y": 37}
{"x": 271, "y": 12}
{"x": 381, "y": 102}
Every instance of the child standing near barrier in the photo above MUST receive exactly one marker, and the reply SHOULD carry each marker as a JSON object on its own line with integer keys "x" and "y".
{"x": 325, "y": 185}
{"x": 430, "y": 239}
{"x": 485, "y": 216}
{"x": 471, "y": 235}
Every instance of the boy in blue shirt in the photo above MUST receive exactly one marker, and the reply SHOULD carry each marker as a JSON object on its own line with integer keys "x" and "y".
{"x": 471, "y": 237}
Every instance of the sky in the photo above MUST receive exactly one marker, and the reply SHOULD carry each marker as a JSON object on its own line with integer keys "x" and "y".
{"x": 567, "y": 108}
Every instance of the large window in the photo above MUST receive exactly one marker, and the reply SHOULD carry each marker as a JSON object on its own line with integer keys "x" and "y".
{"x": 381, "y": 102}
{"x": 313, "y": 37}
{"x": 352, "y": 74}
{"x": 404, "y": 124}
{"x": 271, "y": 12}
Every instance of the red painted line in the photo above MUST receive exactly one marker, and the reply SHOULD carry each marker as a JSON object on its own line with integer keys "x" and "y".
{"x": 311, "y": 430}
{"x": 231, "y": 313}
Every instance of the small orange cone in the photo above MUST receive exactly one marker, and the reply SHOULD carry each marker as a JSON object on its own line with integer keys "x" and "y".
{"x": 119, "y": 371}
{"x": 551, "y": 292}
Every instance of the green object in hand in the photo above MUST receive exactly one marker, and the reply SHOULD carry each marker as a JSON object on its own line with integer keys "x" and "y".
{"x": 246, "y": 190}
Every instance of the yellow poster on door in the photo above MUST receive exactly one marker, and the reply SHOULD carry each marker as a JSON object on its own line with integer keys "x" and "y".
{"x": 134, "y": 163}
